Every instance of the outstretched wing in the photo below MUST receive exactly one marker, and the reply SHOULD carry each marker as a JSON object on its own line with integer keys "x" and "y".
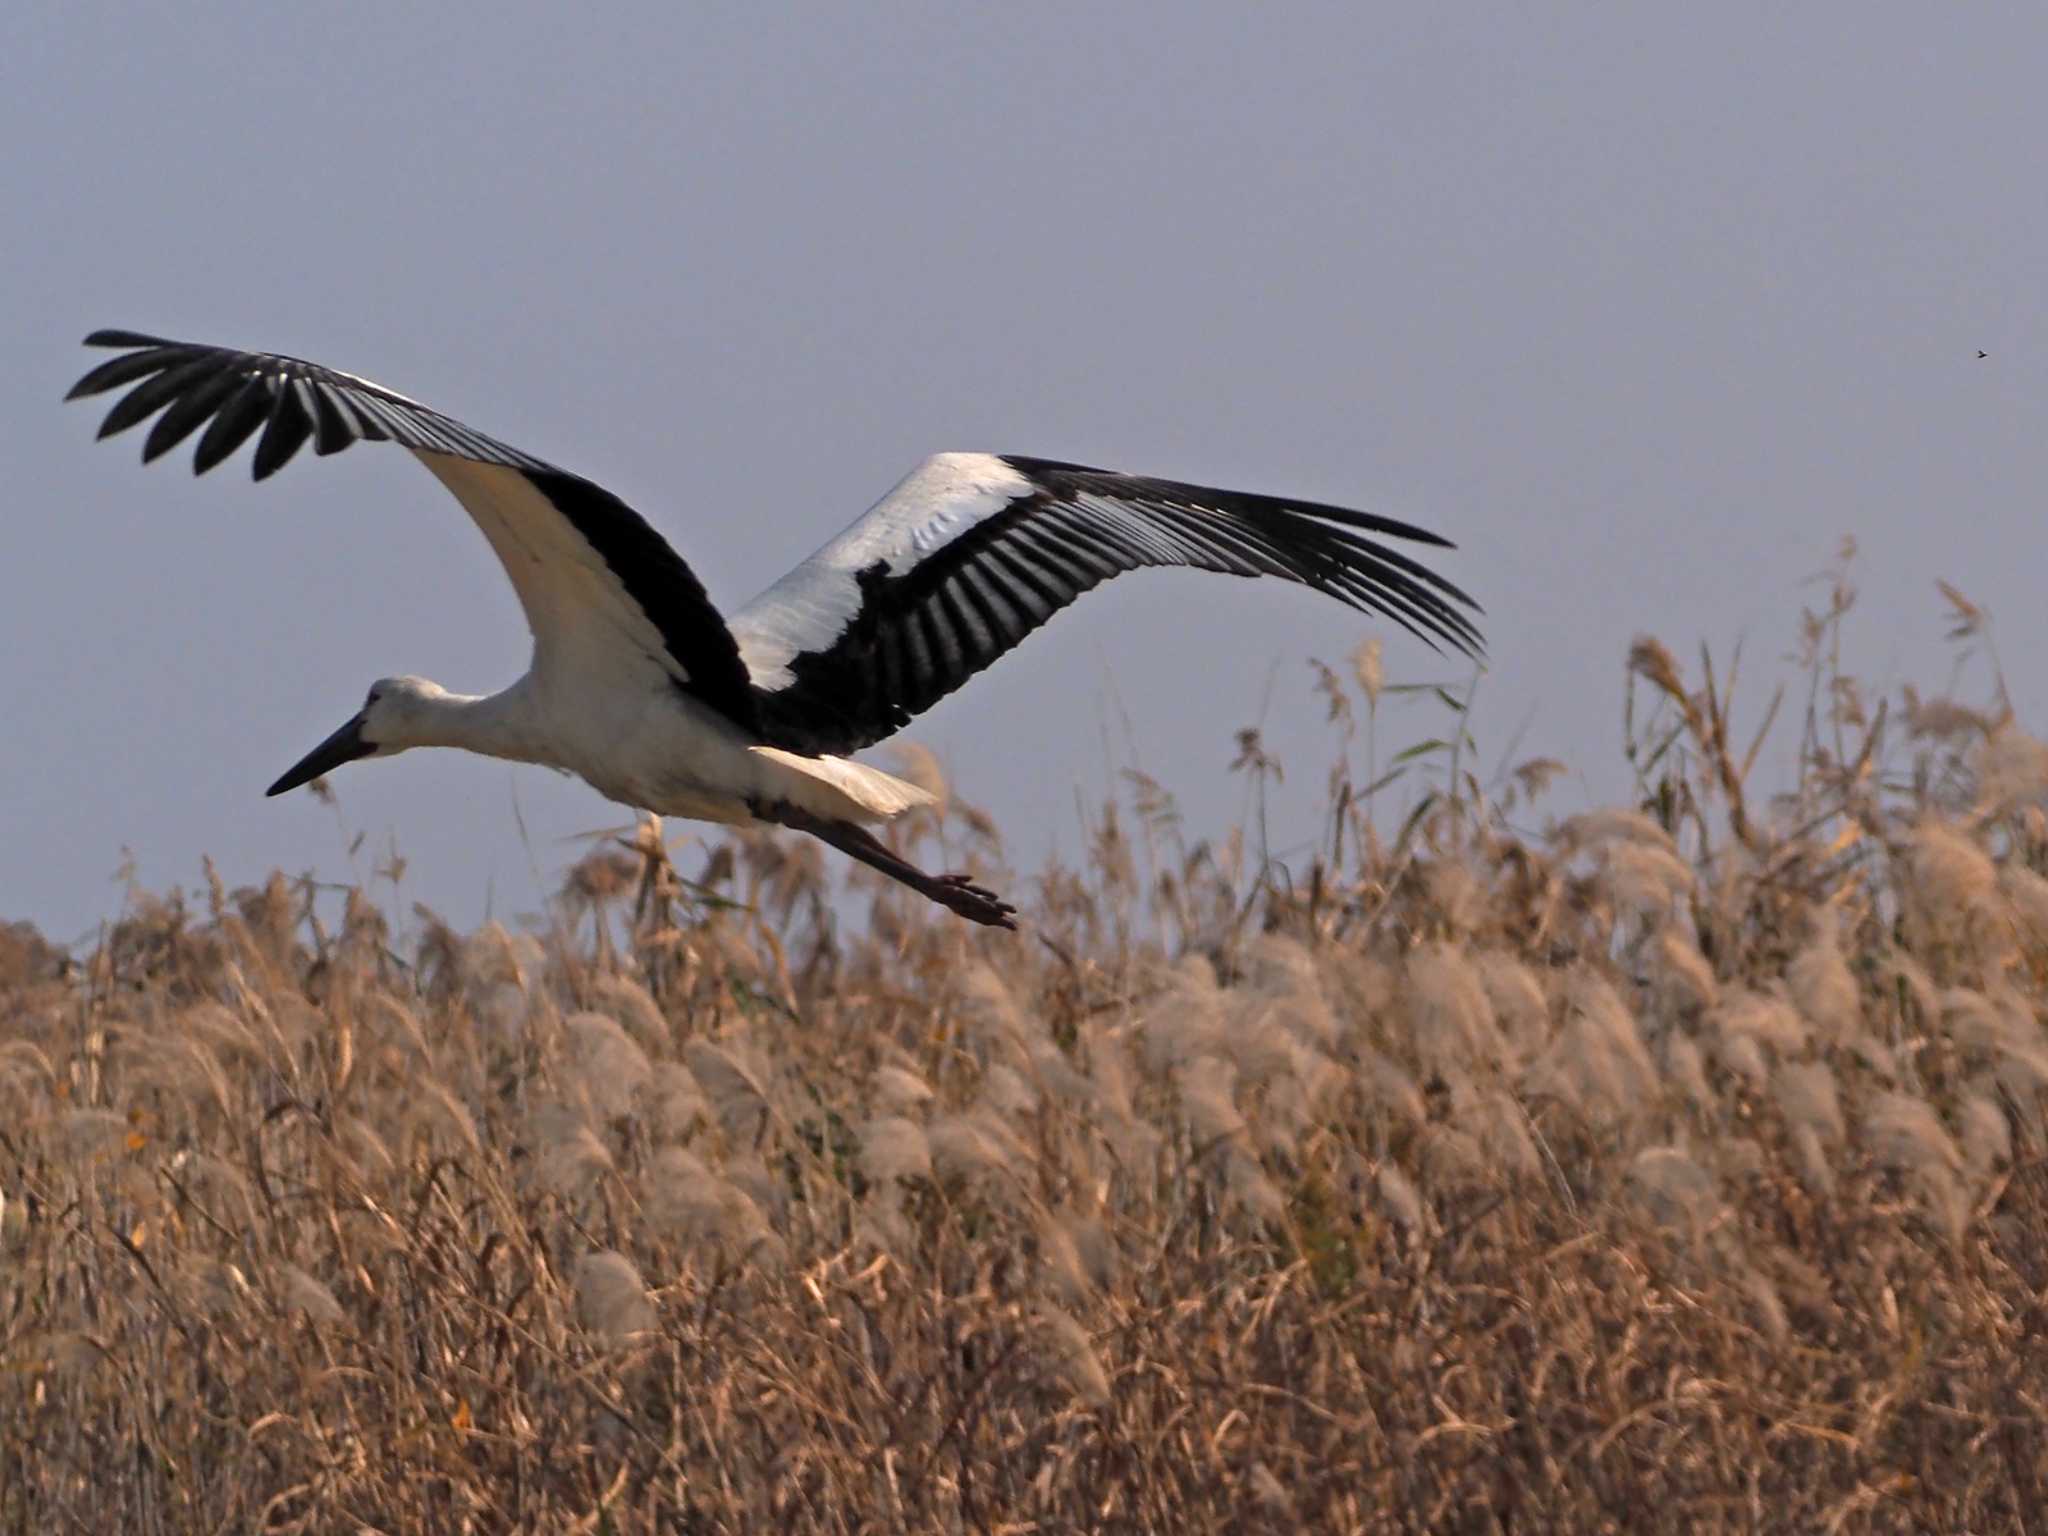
{"x": 973, "y": 551}
{"x": 602, "y": 591}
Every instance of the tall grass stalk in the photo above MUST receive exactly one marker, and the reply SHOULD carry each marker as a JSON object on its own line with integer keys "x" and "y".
{"x": 1672, "y": 1167}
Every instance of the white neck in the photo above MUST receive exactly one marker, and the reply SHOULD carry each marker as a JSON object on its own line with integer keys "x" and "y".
{"x": 495, "y": 724}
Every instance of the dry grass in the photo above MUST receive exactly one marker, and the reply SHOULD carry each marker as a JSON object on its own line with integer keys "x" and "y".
{"x": 1674, "y": 1168}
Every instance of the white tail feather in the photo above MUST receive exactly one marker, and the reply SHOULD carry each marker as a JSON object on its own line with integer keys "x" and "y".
{"x": 835, "y": 787}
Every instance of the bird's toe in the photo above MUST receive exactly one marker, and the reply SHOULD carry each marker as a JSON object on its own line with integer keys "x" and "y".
{"x": 960, "y": 894}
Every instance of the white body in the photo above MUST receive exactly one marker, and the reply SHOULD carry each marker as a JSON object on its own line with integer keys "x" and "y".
{"x": 655, "y": 748}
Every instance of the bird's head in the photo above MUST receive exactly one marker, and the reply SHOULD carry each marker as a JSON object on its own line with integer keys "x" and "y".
{"x": 395, "y": 715}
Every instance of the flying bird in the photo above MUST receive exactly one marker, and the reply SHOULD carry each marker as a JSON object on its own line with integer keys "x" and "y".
{"x": 639, "y": 685}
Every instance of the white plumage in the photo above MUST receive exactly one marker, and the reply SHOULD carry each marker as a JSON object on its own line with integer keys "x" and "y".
{"x": 942, "y": 498}
{"x": 641, "y": 687}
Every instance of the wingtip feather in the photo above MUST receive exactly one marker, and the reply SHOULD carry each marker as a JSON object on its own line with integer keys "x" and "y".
{"x": 114, "y": 338}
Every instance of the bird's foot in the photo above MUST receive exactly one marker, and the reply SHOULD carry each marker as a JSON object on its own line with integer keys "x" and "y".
{"x": 960, "y": 894}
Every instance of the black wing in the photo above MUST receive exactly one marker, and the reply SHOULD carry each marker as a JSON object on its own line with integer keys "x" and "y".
{"x": 973, "y": 551}
{"x": 596, "y": 581}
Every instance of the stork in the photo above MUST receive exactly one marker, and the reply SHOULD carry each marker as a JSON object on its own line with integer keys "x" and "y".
{"x": 641, "y": 687}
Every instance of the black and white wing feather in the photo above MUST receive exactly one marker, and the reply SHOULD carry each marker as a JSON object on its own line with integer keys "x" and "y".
{"x": 600, "y": 588}
{"x": 973, "y": 551}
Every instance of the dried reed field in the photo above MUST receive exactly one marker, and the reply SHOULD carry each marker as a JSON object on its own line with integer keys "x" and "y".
{"x": 1675, "y": 1167}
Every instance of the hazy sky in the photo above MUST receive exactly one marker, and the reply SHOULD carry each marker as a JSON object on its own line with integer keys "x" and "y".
{"x": 1646, "y": 306}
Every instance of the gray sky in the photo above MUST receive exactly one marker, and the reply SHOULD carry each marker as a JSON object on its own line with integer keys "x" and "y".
{"x": 1646, "y": 307}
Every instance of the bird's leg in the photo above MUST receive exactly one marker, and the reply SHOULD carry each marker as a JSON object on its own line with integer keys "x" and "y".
{"x": 955, "y": 892}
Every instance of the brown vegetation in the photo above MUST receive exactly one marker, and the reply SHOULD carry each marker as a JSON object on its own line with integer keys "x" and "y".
{"x": 1677, "y": 1168}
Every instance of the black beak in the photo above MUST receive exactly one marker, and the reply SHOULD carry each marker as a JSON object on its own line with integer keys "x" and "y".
{"x": 344, "y": 746}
